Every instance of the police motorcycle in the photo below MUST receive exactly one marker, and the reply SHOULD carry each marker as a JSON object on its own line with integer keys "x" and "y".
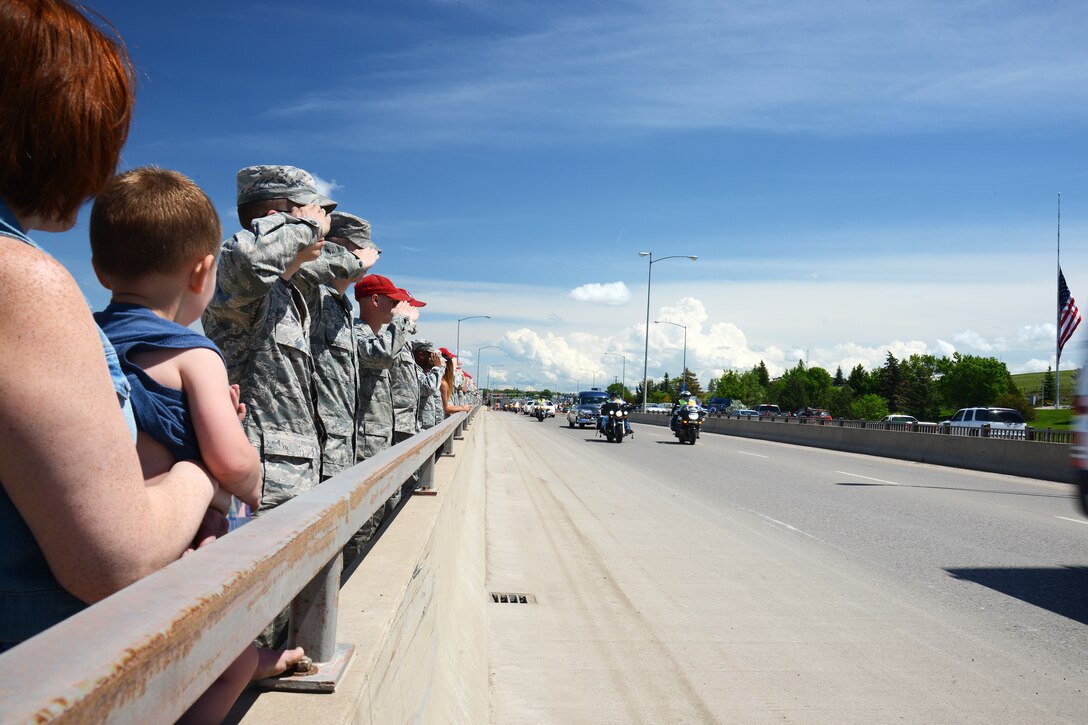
{"x": 687, "y": 418}
{"x": 612, "y": 421}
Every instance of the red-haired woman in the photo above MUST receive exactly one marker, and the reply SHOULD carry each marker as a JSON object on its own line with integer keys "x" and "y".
{"x": 77, "y": 521}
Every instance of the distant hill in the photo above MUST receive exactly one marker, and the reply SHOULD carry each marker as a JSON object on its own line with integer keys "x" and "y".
{"x": 1032, "y": 384}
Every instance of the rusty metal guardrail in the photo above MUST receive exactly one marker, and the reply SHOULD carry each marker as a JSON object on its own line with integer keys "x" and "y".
{"x": 147, "y": 653}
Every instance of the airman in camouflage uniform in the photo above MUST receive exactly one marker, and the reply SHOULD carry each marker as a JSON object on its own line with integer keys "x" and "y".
{"x": 429, "y": 368}
{"x": 260, "y": 322}
{"x": 348, "y": 254}
{"x": 430, "y": 398}
{"x": 404, "y": 380}
{"x": 386, "y": 319}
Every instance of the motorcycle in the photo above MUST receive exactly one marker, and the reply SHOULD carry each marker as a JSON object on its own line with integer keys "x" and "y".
{"x": 540, "y": 414}
{"x": 613, "y": 423}
{"x": 686, "y": 422}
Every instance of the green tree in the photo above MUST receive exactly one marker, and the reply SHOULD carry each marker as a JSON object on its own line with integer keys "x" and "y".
{"x": 1048, "y": 385}
{"x": 891, "y": 382}
{"x": 691, "y": 383}
{"x": 762, "y": 376}
{"x": 729, "y": 385}
{"x": 920, "y": 396}
{"x": 618, "y": 389}
{"x": 1016, "y": 399}
{"x": 839, "y": 401}
{"x": 839, "y": 379}
{"x": 860, "y": 381}
{"x": 972, "y": 380}
{"x": 869, "y": 407}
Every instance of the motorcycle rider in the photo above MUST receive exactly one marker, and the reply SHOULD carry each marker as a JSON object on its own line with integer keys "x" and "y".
{"x": 680, "y": 406}
{"x": 614, "y": 406}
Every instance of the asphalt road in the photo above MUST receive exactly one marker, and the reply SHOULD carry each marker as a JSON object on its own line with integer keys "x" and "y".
{"x": 747, "y": 581}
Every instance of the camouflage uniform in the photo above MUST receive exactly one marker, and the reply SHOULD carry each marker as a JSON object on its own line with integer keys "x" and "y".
{"x": 260, "y": 322}
{"x": 429, "y": 411}
{"x": 332, "y": 344}
{"x": 457, "y": 395}
{"x": 404, "y": 387}
{"x": 377, "y": 354}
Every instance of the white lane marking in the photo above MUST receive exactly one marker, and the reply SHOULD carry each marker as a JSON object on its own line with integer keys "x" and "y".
{"x": 757, "y": 455}
{"x": 785, "y": 525}
{"x": 878, "y": 480}
{"x": 1075, "y": 521}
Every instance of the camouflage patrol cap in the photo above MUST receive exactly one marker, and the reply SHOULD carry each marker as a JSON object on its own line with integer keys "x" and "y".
{"x": 280, "y": 182}
{"x": 352, "y": 228}
{"x": 422, "y": 346}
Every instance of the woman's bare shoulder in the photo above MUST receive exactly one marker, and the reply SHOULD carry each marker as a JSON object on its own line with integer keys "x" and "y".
{"x": 27, "y": 272}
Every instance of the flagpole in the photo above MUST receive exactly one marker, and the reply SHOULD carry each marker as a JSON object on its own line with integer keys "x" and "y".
{"x": 1058, "y": 317}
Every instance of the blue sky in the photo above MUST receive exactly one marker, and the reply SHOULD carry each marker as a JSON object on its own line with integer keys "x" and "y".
{"x": 855, "y": 177}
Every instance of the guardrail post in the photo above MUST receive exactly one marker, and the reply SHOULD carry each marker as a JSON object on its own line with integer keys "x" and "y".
{"x": 426, "y": 478}
{"x": 447, "y": 448}
{"x": 984, "y": 431}
{"x": 459, "y": 434}
{"x": 313, "y": 627}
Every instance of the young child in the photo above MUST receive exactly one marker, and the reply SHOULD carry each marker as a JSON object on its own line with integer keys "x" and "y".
{"x": 155, "y": 238}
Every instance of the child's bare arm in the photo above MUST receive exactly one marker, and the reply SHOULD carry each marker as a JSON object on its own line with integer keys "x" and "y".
{"x": 224, "y": 447}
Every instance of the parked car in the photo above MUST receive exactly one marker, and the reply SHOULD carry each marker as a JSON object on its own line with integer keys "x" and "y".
{"x": 994, "y": 417}
{"x": 767, "y": 410}
{"x": 897, "y": 418}
{"x": 813, "y": 413}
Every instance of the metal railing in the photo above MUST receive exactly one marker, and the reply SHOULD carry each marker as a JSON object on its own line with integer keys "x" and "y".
{"x": 146, "y": 653}
{"x": 1041, "y": 435}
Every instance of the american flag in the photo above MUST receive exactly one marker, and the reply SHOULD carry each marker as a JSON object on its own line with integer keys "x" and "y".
{"x": 1068, "y": 314}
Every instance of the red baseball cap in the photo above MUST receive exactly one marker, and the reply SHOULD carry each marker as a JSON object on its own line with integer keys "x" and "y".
{"x": 446, "y": 352}
{"x": 412, "y": 300}
{"x": 375, "y": 284}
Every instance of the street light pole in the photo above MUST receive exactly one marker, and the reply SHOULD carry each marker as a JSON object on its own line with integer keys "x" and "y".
{"x": 457, "y": 347}
{"x": 623, "y": 385}
{"x": 489, "y": 369}
{"x": 581, "y": 370}
{"x": 485, "y": 347}
{"x": 646, "y": 351}
{"x": 684, "y": 374}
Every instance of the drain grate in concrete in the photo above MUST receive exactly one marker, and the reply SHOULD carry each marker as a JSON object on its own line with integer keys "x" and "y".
{"x": 512, "y": 598}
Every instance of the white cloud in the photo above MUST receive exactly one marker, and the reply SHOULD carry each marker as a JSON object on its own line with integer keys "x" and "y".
{"x": 326, "y": 188}
{"x": 611, "y": 293}
{"x": 971, "y": 339}
{"x": 1035, "y": 365}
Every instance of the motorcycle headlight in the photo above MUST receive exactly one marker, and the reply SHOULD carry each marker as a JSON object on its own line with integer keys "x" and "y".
{"x": 623, "y": 413}
{"x": 693, "y": 416}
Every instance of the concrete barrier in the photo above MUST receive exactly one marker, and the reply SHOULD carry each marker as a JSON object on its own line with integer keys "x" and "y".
{"x": 1033, "y": 459}
{"x": 415, "y": 607}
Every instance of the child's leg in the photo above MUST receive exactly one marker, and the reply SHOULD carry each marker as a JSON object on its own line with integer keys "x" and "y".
{"x": 253, "y": 664}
